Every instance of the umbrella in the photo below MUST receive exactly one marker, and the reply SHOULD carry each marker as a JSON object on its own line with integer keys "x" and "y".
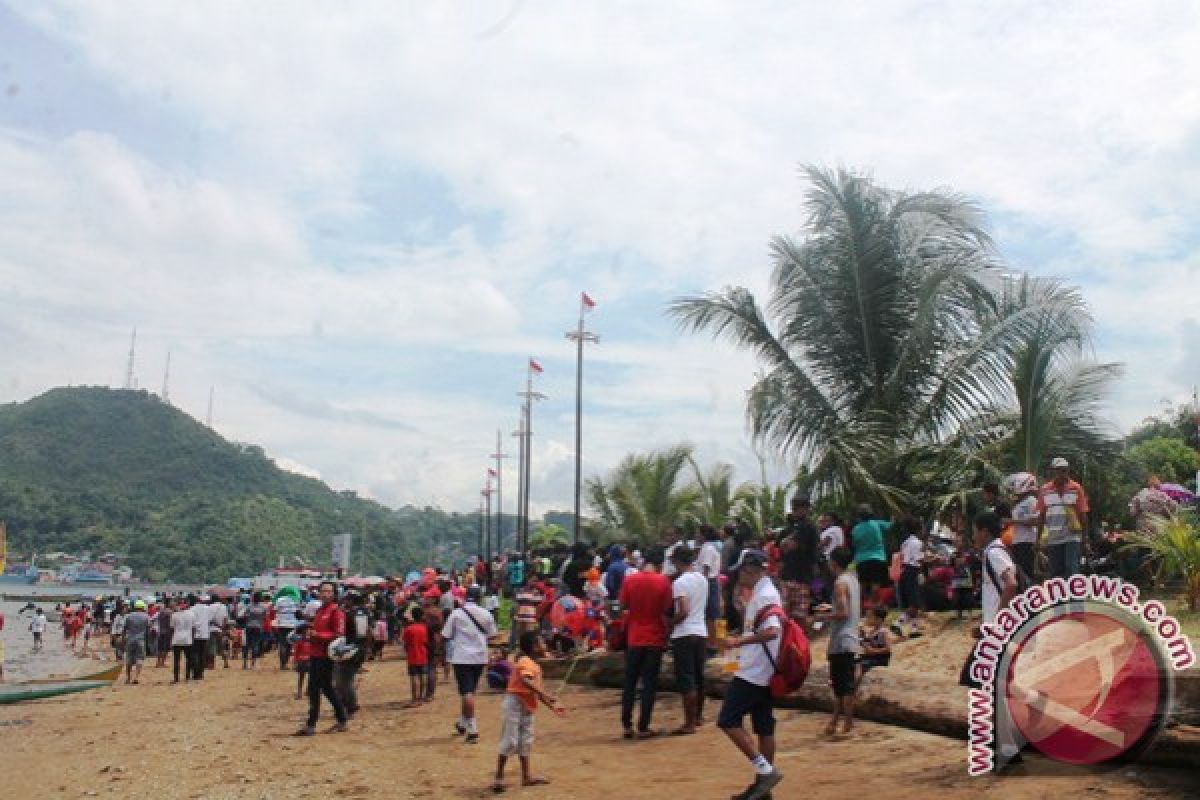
{"x": 290, "y": 591}
{"x": 1180, "y": 494}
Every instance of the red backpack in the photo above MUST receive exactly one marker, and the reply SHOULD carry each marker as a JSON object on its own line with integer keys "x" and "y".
{"x": 794, "y": 659}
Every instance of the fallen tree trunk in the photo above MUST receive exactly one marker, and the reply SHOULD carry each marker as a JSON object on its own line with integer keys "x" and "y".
{"x": 929, "y": 705}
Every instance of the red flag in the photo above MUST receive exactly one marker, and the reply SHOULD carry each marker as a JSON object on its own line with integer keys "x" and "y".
{"x": 491, "y": 472}
{"x": 588, "y": 303}
{"x": 536, "y": 367}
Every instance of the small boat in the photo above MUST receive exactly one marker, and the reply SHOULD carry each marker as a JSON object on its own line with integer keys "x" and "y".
{"x": 110, "y": 674}
{"x": 20, "y": 692}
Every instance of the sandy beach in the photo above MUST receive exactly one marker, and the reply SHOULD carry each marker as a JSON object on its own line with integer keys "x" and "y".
{"x": 230, "y": 737}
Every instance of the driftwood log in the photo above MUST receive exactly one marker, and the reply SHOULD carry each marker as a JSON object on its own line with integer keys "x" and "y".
{"x": 925, "y": 704}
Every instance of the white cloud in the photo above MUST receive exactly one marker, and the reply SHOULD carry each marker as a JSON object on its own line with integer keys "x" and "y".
{"x": 637, "y": 151}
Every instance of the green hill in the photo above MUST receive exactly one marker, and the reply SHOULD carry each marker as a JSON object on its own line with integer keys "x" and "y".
{"x": 104, "y": 470}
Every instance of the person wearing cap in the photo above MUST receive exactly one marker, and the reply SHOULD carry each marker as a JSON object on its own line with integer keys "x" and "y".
{"x": 137, "y": 625}
{"x": 749, "y": 692}
{"x": 1063, "y": 509}
{"x": 469, "y": 628}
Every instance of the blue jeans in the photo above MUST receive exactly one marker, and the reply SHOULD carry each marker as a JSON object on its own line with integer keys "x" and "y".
{"x": 1064, "y": 558}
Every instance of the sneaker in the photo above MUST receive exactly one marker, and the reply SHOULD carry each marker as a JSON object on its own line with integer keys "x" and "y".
{"x": 459, "y": 729}
{"x": 472, "y": 738}
{"x": 763, "y": 785}
{"x": 307, "y": 730}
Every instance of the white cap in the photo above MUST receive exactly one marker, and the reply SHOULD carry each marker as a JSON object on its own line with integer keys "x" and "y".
{"x": 1059, "y": 463}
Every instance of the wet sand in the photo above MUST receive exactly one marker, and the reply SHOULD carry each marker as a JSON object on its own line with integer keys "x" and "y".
{"x": 230, "y": 737}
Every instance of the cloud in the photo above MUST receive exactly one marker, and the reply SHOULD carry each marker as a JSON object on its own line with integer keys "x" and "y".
{"x": 358, "y": 227}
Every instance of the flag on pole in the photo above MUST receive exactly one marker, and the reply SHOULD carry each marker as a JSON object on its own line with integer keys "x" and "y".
{"x": 491, "y": 472}
{"x": 588, "y": 303}
{"x": 535, "y": 367}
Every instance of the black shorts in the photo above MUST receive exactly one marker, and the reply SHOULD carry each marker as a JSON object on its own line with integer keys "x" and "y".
{"x": 873, "y": 572}
{"x": 910, "y": 587}
{"x": 467, "y": 677}
{"x": 841, "y": 673}
{"x": 742, "y": 698}
{"x": 689, "y": 653}
{"x": 712, "y": 608}
{"x": 417, "y": 670}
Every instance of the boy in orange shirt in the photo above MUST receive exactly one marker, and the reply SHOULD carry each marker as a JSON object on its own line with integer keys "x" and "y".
{"x": 520, "y": 701}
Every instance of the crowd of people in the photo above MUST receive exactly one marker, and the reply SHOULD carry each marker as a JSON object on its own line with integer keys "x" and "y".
{"x": 700, "y": 593}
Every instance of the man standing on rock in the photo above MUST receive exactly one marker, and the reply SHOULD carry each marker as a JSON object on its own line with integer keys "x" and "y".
{"x": 328, "y": 624}
{"x": 647, "y": 604}
{"x": 749, "y": 692}
{"x": 469, "y": 629}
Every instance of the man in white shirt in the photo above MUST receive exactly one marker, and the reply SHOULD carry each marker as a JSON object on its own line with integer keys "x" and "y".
{"x": 832, "y": 534}
{"x": 199, "y": 651}
{"x": 912, "y": 555}
{"x": 708, "y": 566}
{"x": 749, "y": 692}
{"x": 218, "y": 623}
{"x": 470, "y": 628}
{"x": 689, "y": 636}
{"x": 183, "y": 621}
{"x": 999, "y": 574}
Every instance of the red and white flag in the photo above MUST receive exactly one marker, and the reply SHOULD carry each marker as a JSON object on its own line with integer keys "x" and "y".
{"x": 588, "y": 303}
{"x": 535, "y": 367}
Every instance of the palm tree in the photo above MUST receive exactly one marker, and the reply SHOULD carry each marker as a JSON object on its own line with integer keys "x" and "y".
{"x": 1174, "y": 548}
{"x": 1056, "y": 388}
{"x": 646, "y": 494}
{"x": 548, "y": 535}
{"x": 882, "y": 338}
{"x": 762, "y": 507}
{"x": 717, "y": 494}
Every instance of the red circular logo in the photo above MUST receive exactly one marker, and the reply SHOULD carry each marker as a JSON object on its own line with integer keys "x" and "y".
{"x": 1084, "y": 688}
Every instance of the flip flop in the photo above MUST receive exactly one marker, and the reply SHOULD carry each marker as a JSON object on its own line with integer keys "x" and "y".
{"x": 536, "y": 781}
{"x": 499, "y": 787}
{"x": 628, "y": 733}
{"x": 683, "y": 732}
{"x": 648, "y": 734}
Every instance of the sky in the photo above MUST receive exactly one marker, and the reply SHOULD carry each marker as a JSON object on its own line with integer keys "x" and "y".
{"x": 356, "y": 223}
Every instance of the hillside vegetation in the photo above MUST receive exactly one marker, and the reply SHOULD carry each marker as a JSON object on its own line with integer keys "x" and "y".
{"x": 106, "y": 470}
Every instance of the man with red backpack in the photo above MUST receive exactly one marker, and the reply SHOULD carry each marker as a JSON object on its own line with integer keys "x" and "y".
{"x": 750, "y": 691}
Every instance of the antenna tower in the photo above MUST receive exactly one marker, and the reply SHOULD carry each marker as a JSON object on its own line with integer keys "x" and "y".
{"x": 166, "y": 392}
{"x": 130, "y": 382}
{"x": 208, "y": 418}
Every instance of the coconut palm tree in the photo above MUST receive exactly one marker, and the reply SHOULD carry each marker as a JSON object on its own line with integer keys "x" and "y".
{"x": 1057, "y": 390}
{"x": 762, "y": 507}
{"x": 882, "y": 335}
{"x": 718, "y": 496}
{"x": 548, "y": 535}
{"x": 646, "y": 494}
{"x": 1174, "y": 549}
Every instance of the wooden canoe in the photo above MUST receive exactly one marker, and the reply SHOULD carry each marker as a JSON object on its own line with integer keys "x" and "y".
{"x": 21, "y": 692}
{"x": 110, "y": 674}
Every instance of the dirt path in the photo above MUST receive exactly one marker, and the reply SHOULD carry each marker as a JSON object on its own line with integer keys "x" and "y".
{"x": 229, "y": 737}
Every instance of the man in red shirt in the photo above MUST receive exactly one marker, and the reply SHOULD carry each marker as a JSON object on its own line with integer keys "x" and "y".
{"x": 647, "y": 603}
{"x": 328, "y": 624}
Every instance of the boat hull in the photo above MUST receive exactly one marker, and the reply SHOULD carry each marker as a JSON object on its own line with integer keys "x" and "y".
{"x": 24, "y": 692}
